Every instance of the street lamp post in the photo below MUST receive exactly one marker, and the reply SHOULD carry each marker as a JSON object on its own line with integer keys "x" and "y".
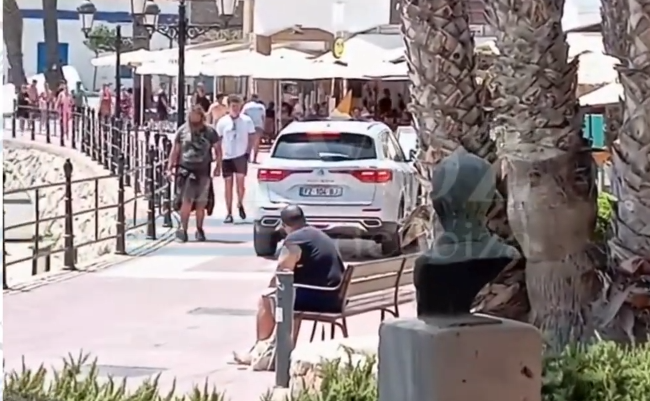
{"x": 86, "y": 13}
{"x": 181, "y": 32}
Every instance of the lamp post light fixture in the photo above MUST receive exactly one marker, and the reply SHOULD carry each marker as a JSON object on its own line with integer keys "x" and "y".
{"x": 181, "y": 31}
{"x": 86, "y": 13}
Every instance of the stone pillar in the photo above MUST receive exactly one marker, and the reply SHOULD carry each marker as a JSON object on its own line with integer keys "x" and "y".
{"x": 447, "y": 353}
{"x": 460, "y": 358}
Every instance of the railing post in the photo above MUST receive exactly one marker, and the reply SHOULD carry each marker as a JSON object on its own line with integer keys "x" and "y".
{"x": 92, "y": 133}
{"x": 48, "y": 133}
{"x": 37, "y": 232}
{"x": 13, "y": 120}
{"x": 284, "y": 326}
{"x": 105, "y": 131}
{"x": 57, "y": 117}
{"x": 68, "y": 235}
{"x": 32, "y": 125}
{"x": 158, "y": 173}
{"x": 5, "y": 286}
{"x": 115, "y": 146}
{"x": 120, "y": 244}
{"x": 85, "y": 148}
{"x": 151, "y": 186}
{"x": 137, "y": 162}
{"x": 128, "y": 148}
{"x": 167, "y": 193}
{"x": 73, "y": 130}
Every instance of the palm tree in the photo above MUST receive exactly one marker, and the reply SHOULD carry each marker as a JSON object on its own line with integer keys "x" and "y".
{"x": 552, "y": 194}
{"x": 13, "y": 36}
{"x": 627, "y": 39}
{"x": 53, "y": 73}
{"x": 446, "y": 102}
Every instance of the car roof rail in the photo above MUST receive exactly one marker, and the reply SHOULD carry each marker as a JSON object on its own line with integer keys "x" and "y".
{"x": 337, "y": 117}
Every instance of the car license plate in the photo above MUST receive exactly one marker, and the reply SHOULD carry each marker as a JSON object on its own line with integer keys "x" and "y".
{"x": 321, "y": 192}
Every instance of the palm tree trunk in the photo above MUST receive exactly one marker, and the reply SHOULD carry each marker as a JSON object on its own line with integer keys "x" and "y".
{"x": 13, "y": 37}
{"x": 444, "y": 92}
{"x": 551, "y": 185}
{"x": 53, "y": 73}
{"x": 630, "y": 163}
{"x": 446, "y": 102}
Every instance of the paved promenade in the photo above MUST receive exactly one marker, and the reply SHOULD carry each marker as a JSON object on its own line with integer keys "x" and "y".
{"x": 179, "y": 311}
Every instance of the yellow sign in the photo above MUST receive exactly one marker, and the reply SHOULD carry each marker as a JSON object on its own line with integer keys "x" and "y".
{"x": 338, "y": 47}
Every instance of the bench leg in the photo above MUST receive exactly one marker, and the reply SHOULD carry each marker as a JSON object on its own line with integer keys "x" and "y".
{"x": 383, "y": 312}
{"x": 344, "y": 327}
{"x": 313, "y": 332}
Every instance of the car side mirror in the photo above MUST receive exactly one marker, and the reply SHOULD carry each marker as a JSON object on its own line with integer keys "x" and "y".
{"x": 412, "y": 154}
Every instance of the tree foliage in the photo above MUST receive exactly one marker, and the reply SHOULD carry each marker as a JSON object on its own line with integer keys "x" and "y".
{"x": 101, "y": 39}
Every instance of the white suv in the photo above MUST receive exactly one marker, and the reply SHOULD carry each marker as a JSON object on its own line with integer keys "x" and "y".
{"x": 351, "y": 178}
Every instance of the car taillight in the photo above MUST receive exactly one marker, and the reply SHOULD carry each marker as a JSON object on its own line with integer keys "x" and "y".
{"x": 272, "y": 175}
{"x": 373, "y": 176}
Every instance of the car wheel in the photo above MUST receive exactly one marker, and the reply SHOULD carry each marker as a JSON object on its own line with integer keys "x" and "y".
{"x": 392, "y": 243}
{"x": 392, "y": 246}
{"x": 264, "y": 242}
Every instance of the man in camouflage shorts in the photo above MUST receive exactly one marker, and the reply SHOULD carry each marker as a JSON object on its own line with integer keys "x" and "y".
{"x": 189, "y": 163}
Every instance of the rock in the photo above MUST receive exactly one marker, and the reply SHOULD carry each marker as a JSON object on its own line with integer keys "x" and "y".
{"x": 27, "y": 167}
{"x": 307, "y": 359}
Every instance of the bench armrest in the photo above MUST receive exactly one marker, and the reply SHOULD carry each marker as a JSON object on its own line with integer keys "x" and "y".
{"x": 316, "y": 288}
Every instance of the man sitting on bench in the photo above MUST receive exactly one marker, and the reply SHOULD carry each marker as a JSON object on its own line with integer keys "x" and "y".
{"x": 315, "y": 261}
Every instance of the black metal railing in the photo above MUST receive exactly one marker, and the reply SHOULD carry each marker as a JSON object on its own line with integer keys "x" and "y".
{"x": 134, "y": 160}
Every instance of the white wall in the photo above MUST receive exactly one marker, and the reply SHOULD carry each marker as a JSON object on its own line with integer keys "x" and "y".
{"x": 70, "y": 32}
{"x": 272, "y": 16}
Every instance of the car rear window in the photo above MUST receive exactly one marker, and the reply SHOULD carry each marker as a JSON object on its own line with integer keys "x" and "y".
{"x": 303, "y": 146}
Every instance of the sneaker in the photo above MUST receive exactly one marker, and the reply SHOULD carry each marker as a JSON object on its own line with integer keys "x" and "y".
{"x": 181, "y": 235}
{"x": 228, "y": 219}
{"x": 200, "y": 235}
{"x": 242, "y": 212}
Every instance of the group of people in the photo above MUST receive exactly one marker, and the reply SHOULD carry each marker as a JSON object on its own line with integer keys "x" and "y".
{"x": 33, "y": 106}
{"x": 226, "y": 136}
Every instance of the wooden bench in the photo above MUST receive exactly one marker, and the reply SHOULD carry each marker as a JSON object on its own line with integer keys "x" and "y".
{"x": 381, "y": 285}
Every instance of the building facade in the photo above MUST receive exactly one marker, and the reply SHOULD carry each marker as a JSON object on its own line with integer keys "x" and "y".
{"x": 72, "y": 50}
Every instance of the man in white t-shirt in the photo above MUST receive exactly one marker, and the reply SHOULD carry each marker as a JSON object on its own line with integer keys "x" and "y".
{"x": 255, "y": 109}
{"x": 237, "y": 133}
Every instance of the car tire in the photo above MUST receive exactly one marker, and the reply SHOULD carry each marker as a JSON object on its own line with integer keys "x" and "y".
{"x": 265, "y": 243}
{"x": 391, "y": 246}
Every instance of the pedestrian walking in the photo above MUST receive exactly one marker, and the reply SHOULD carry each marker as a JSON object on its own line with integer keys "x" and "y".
{"x": 195, "y": 147}
{"x": 236, "y": 134}
{"x": 162, "y": 105}
{"x": 106, "y": 103}
{"x": 64, "y": 107}
{"x": 201, "y": 98}
{"x": 218, "y": 109}
{"x": 256, "y": 110}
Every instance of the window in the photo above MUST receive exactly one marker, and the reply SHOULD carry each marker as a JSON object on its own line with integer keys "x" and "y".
{"x": 326, "y": 146}
{"x": 397, "y": 148}
{"x": 392, "y": 149}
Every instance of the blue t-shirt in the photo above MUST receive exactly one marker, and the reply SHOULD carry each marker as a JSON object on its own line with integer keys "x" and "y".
{"x": 320, "y": 262}
{"x": 256, "y": 111}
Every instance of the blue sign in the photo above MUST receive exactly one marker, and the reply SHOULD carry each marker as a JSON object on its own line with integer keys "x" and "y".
{"x": 41, "y": 56}
{"x": 593, "y": 128}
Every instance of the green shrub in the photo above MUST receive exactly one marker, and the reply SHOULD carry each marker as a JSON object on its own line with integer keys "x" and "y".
{"x": 606, "y": 204}
{"x": 71, "y": 383}
{"x": 345, "y": 381}
{"x": 601, "y": 372}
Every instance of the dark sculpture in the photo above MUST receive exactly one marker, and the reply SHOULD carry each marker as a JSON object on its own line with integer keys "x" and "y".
{"x": 465, "y": 256}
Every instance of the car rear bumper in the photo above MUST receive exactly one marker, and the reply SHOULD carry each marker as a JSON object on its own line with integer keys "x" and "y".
{"x": 336, "y": 227}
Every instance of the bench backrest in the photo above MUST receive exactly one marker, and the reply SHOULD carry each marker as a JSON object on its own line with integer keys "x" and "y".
{"x": 380, "y": 275}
